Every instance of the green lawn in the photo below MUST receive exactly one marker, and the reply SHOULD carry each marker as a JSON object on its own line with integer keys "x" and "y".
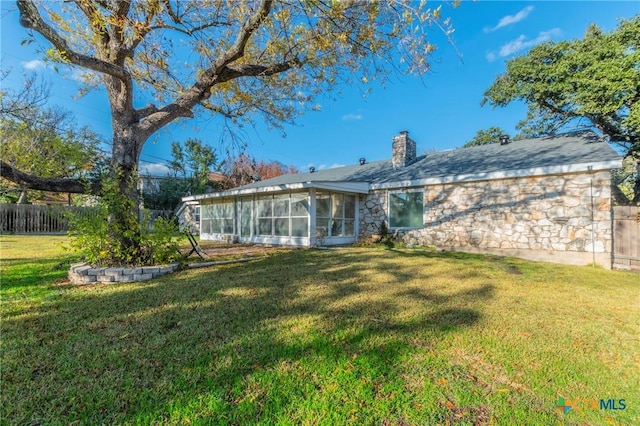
{"x": 359, "y": 336}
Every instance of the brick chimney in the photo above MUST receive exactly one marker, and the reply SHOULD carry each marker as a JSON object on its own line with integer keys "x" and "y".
{"x": 404, "y": 150}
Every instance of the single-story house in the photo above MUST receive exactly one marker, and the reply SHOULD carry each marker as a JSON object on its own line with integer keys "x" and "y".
{"x": 546, "y": 199}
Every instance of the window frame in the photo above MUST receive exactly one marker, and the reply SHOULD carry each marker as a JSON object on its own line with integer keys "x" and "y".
{"x": 286, "y": 214}
{"x": 336, "y": 217}
{"x": 215, "y": 224}
{"x": 389, "y": 207}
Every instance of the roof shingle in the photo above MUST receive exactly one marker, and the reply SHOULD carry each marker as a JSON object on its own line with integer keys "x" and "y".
{"x": 560, "y": 150}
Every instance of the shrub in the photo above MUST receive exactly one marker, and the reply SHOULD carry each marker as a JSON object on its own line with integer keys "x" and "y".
{"x": 89, "y": 234}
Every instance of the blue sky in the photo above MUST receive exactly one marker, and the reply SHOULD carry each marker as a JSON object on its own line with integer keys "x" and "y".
{"x": 441, "y": 110}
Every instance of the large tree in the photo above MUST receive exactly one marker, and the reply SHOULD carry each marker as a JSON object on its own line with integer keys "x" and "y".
{"x": 593, "y": 81}
{"x": 236, "y": 59}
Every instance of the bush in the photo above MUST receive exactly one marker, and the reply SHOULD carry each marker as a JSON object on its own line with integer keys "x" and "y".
{"x": 90, "y": 234}
{"x": 160, "y": 243}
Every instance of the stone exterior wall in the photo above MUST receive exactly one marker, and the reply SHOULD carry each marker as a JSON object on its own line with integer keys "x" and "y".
{"x": 373, "y": 211}
{"x": 545, "y": 217}
{"x": 188, "y": 219}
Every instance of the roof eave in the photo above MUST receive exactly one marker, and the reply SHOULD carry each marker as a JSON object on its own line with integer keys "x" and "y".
{"x": 503, "y": 174}
{"x": 352, "y": 187}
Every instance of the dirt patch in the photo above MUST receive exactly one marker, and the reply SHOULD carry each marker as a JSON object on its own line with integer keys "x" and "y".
{"x": 226, "y": 251}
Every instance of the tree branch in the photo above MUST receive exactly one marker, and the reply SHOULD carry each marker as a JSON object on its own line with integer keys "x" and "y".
{"x": 90, "y": 12}
{"x": 201, "y": 89}
{"x": 76, "y": 186}
{"x": 30, "y": 18}
{"x": 252, "y": 70}
{"x": 236, "y": 51}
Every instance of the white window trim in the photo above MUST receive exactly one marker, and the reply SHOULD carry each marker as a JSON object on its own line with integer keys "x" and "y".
{"x": 408, "y": 191}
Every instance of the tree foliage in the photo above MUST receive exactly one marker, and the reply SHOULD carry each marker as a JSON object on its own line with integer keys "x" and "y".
{"x": 191, "y": 164}
{"x": 43, "y": 140}
{"x": 486, "y": 137}
{"x": 237, "y": 59}
{"x": 193, "y": 161}
{"x": 593, "y": 81}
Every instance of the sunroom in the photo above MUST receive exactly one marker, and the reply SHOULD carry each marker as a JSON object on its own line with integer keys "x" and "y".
{"x": 303, "y": 214}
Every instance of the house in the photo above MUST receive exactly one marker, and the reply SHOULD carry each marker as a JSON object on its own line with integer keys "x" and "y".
{"x": 541, "y": 199}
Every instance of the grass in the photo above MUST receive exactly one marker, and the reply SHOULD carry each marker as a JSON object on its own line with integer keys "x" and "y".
{"x": 349, "y": 336}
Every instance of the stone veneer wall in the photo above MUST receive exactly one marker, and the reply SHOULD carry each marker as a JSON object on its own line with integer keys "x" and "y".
{"x": 543, "y": 218}
{"x": 188, "y": 218}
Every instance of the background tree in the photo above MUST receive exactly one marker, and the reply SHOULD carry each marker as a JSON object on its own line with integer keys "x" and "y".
{"x": 193, "y": 161}
{"x": 486, "y": 137}
{"x": 16, "y": 102}
{"x": 266, "y": 57}
{"x": 163, "y": 192}
{"x": 245, "y": 169}
{"x": 191, "y": 164}
{"x": 592, "y": 82}
{"x": 42, "y": 140}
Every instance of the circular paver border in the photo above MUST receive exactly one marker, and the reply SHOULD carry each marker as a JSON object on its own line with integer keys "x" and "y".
{"x": 83, "y": 273}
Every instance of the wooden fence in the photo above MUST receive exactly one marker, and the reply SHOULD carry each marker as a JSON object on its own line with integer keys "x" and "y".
{"x": 34, "y": 219}
{"x": 626, "y": 237}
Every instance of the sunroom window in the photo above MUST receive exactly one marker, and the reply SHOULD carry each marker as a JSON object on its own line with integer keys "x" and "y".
{"x": 299, "y": 215}
{"x": 245, "y": 217}
{"x": 265, "y": 215}
{"x": 217, "y": 218}
{"x": 283, "y": 215}
{"x": 406, "y": 210}
{"x": 335, "y": 214}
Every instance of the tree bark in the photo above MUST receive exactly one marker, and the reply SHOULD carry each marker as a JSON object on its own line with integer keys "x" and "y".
{"x": 74, "y": 186}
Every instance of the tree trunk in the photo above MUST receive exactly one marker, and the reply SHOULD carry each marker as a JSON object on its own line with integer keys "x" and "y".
{"x": 123, "y": 201}
{"x": 122, "y": 198}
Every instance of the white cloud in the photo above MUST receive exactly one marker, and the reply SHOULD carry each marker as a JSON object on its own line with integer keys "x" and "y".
{"x": 34, "y": 65}
{"x": 305, "y": 168}
{"x": 77, "y": 74}
{"x": 352, "y": 117}
{"x": 83, "y": 76}
{"x": 154, "y": 169}
{"x": 510, "y": 19}
{"x": 522, "y": 43}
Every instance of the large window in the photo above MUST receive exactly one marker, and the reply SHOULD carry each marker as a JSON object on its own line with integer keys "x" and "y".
{"x": 335, "y": 214}
{"x": 283, "y": 215}
{"x": 406, "y": 210}
{"x": 217, "y": 218}
{"x": 264, "y": 225}
{"x": 245, "y": 217}
{"x": 299, "y": 215}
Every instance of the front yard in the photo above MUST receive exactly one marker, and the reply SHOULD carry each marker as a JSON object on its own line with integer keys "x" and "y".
{"x": 349, "y": 336}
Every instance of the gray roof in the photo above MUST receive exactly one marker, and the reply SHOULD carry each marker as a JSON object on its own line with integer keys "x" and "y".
{"x": 549, "y": 155}
{"x": 527, "y": 154}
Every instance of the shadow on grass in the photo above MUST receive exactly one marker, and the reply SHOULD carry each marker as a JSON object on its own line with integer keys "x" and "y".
{"x": 219, "y": 344}
{"x": 28, "y": 274}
